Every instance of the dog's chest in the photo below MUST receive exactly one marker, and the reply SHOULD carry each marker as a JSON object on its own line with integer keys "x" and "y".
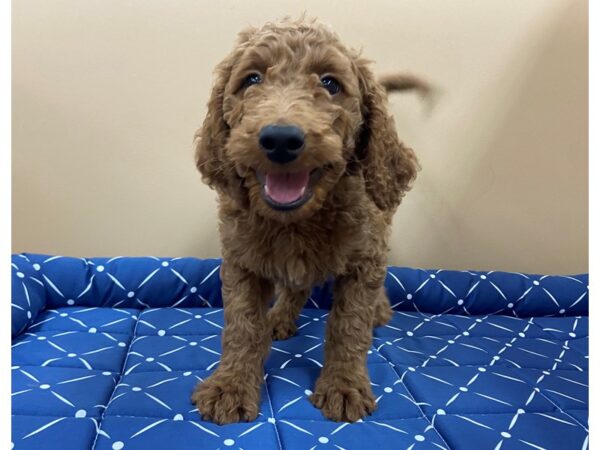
{"x": 298, "y": 255}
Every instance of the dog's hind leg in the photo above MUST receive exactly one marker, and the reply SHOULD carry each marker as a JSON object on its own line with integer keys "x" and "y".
{"x": 382, "y": 311}
{"x": 282, "y": 316}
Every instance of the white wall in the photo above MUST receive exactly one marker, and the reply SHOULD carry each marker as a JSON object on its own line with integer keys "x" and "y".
{"x": 107, "y": 95}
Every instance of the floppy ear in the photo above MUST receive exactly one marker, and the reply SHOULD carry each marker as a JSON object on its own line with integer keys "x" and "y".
{"x": 388, "y": 166}
{"x": 210, "y": 139}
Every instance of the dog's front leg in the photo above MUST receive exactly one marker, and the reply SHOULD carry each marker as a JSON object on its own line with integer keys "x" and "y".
{"x": 343, "y": 390}
{"x": 232, "y": 392}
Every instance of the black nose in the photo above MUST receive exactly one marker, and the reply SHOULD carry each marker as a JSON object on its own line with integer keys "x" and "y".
{"x": 281, "y": 143}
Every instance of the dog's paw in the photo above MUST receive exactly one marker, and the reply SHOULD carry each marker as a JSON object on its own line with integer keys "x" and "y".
{"x": 284, "y": 330}
{"x": 342, "y": 401}
{"x": 227, "y": 401}
{"x": 282, "y": 327}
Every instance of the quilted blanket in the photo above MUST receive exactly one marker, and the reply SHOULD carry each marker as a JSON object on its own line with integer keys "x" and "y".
{"x": 106, "y": 351}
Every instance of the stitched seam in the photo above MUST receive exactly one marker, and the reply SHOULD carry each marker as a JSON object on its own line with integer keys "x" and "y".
{"x": 553, "y": 403}
{"x": 420, "y": 409}
{"x": 74, "y": 331}
{"x": 364, "y": 422}
{"x": 273, "y": 415}
{"x": 560, "y": 409}
{"x": 100, "y": 421}
{"x": 414, "y": 400}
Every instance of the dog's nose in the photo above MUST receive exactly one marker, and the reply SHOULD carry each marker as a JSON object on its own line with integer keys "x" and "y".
{"x": 281, "y": 143}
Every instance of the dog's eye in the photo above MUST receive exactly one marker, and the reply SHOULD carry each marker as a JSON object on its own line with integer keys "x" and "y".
{"x": 253, "y": 78}
{"x": 331, "y": 84}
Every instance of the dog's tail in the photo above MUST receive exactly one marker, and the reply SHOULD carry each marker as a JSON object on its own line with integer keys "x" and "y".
{"x": 405, "y": 82}
{"x": 402, "y": 82}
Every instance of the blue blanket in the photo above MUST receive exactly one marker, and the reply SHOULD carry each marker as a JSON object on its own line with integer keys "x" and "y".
{"x": 106, "y": 352}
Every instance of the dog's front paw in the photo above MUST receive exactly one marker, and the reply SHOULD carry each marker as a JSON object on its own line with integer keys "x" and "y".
{"x": 339, "y": 400}
{"x": 283, "y": 327}
{"x": 226, "y": 400}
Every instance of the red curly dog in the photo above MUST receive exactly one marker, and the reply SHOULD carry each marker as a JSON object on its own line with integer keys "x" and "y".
{"x": 309, "y": 171}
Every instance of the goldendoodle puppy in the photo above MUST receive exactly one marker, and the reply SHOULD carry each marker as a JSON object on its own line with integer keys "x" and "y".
{"x": 309, "y": 171}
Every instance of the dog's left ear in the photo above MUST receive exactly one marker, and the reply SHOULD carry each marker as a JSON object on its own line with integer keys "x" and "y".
{"x": 388, "y": 166}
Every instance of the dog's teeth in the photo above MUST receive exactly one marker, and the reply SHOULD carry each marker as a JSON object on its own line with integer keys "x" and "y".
{"x": 267, "y": 190}
{"x": 302, "y": 191}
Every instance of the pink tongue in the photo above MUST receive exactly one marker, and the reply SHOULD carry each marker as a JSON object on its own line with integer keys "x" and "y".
{"x": 286, "y": 187}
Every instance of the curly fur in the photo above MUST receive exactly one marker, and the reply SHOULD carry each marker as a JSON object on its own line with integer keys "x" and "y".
{"x": 341, "y": 232}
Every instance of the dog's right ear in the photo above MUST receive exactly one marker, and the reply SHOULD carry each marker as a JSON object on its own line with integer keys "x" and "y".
{"x": 389, "y": 167}
{"x": 211, "y": 138}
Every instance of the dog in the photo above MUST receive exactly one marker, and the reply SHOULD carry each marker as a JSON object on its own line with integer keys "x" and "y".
{"x": 309, "y": 170}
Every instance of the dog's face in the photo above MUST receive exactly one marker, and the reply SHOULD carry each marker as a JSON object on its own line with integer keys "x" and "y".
{"x": 287, "y": 113}
{"x": 292, "y": 103}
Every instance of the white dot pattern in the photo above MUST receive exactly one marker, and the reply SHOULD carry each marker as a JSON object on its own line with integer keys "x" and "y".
{"x": 122, "y": 360}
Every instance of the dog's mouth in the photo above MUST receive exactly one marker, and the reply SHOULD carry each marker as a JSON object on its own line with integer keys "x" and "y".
{"x": 286, "y": 191}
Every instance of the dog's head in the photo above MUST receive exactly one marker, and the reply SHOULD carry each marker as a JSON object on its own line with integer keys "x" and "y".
{"x": 291, "y": 112}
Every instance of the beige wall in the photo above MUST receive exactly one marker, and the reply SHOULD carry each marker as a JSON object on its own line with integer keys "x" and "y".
{"x": 107, "y": 95}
